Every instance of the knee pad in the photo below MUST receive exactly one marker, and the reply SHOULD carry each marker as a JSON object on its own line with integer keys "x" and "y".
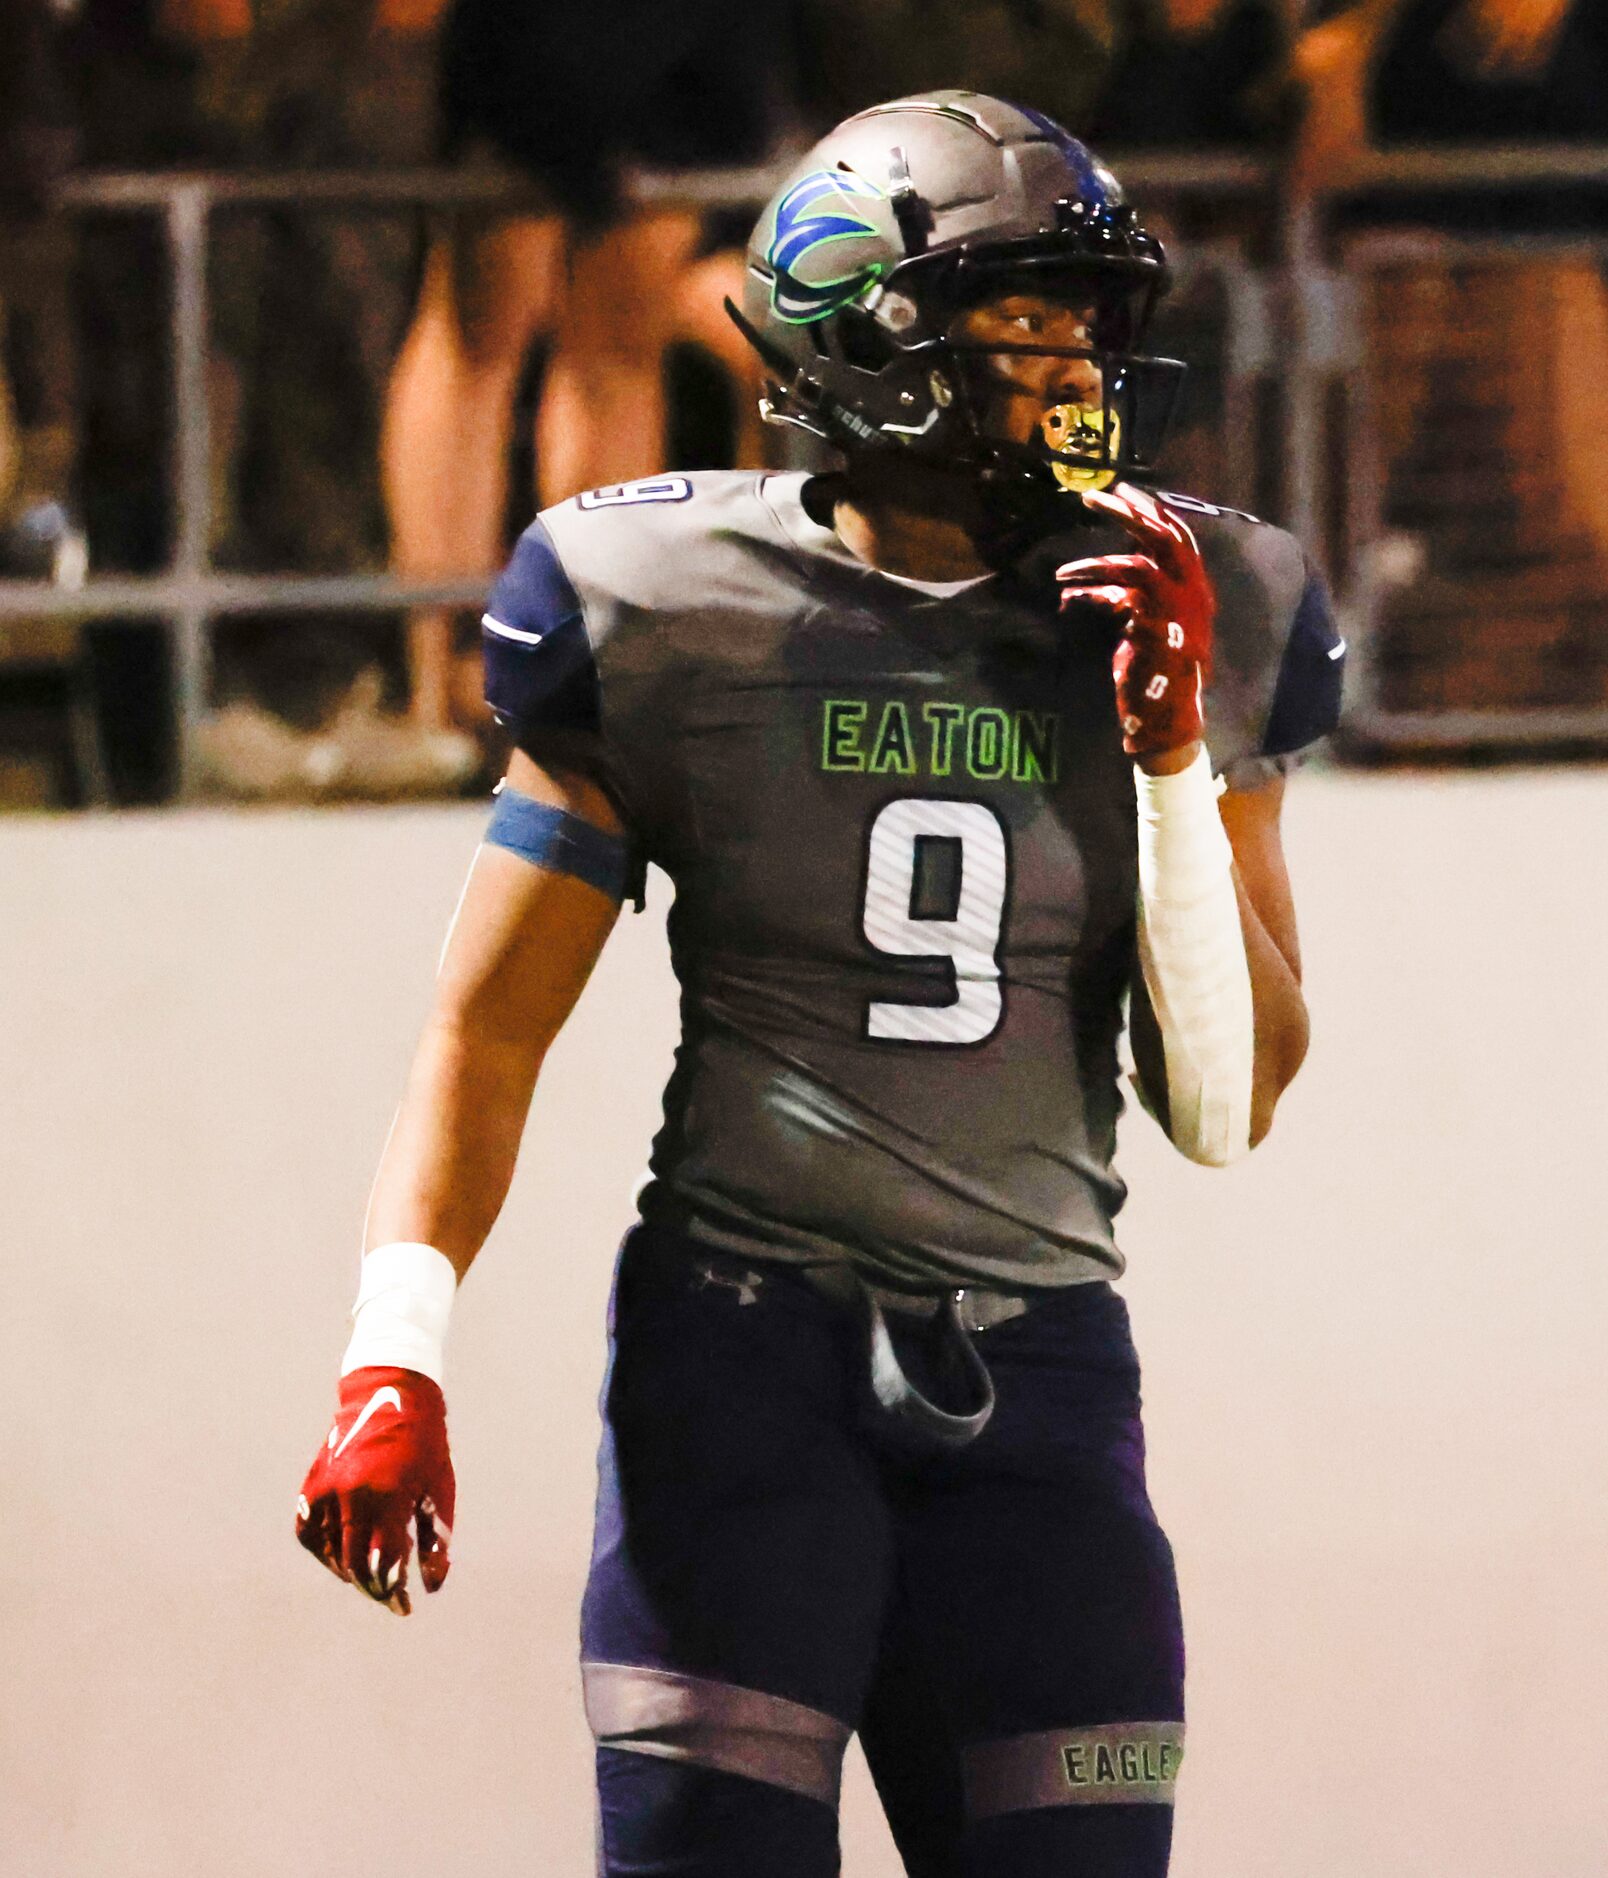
{"x": 712, "y": 1724}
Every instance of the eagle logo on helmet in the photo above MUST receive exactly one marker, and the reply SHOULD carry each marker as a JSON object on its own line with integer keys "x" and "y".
{"x": 814, "y": 213}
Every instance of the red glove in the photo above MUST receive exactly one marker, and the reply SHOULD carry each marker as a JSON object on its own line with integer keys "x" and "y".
{"x": 384, "y": 1468}
{"x": 1164, "y": 602}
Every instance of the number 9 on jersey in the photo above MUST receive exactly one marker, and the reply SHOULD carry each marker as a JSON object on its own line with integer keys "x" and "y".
{"x": 961, "y": 846}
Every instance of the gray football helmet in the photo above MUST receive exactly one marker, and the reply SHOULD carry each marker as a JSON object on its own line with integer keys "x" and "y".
{"x": 902, "y": 219}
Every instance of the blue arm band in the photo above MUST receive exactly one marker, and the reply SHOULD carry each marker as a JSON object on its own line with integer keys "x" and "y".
{"x": 561, "y": 842}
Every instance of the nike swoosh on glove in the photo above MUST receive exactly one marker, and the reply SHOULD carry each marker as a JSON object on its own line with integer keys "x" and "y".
{"x": 1164, "y": 603}
{"x": 384, "y": 1470}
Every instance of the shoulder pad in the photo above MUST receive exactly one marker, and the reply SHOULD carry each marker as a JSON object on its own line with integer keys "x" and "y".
{"x": 646, "y": 543}
{"x": 596, "y": 606}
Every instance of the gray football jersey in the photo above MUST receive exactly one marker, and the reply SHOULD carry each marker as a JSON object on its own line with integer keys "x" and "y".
{"x": 900, "y": 826}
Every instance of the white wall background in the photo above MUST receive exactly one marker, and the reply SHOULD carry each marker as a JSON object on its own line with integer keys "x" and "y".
{"x": 1374, "y": 1361}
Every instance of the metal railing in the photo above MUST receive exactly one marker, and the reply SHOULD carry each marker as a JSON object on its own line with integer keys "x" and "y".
{"x": 1293, "y": 308}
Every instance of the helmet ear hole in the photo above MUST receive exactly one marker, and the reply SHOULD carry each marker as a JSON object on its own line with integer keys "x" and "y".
{"x": 860, "y": 341}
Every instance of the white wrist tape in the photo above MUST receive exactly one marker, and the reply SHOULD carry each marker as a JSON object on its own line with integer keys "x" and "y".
{"x": 1192, "y": 953}
{"x": 399, "y": 1321}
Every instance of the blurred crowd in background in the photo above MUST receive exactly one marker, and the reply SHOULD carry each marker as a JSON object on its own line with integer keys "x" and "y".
{"x": 401, "y": 389}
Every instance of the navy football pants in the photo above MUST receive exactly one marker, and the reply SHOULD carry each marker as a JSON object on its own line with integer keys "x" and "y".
{"x": 777, "y": 1565}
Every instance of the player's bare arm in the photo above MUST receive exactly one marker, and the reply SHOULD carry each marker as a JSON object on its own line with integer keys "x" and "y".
{"x": 1252, "y": 819}
{"x": 521, "y": 949}
{"x": 537, "y": 907}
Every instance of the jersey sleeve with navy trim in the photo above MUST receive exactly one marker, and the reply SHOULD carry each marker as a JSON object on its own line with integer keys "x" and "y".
{"x": 1306, "y": 694}
{"x": 540, "y": 670}
{"x": 1279, "y": 657}
{"x": 612, "y": 603}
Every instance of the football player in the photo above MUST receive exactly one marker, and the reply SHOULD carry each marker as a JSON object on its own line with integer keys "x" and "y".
{"x": 953, "y": 756}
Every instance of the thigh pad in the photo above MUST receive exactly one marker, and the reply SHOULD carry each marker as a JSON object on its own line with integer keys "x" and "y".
{"x": 716, "y": 1724}
{"x": 1113, "y": 1763}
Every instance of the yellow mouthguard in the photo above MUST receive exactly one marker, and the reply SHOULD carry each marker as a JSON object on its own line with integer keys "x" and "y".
{"x": 1080, "y": 427}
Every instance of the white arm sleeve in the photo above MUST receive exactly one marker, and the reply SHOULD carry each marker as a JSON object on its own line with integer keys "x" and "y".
{"x": 1192, "y": 953}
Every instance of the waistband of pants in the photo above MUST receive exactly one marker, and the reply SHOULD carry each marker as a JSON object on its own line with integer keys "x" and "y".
{"x": 976, "y": 1308}
{"x": 951, "y": 1418}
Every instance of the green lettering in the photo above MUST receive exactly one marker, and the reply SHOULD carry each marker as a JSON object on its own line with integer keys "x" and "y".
{"x": 942, "y": 718}
{"x": 988, "y": 744}
{"x": 840, "y": 734}
{"x": 1036, "y": 756}
{"x": 1147, "y": 1763}
{"x": 1128, "y": 1755}
{"x": 1074, "y": 1761}
{"x": 894, "y": 750}
{"x": 1169, "y": 1759}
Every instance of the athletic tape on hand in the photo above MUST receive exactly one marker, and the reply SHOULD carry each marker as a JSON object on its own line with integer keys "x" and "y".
{"x": 404, "y": 1299}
